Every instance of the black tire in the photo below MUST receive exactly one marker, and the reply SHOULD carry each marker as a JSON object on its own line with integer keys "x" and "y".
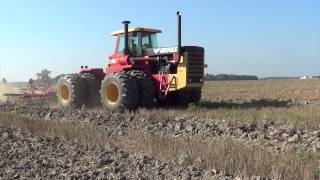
{"x": 93, "y": 89}
{"x": 195, "y": 96}
{"x": 71, "y": 91}
{"x": 170, "y": 100}
{"x": 182, "y": 97}
{"x": 176, "y": 98}
{"x": 119, "y": 91}
{"x": 146, "y": 88}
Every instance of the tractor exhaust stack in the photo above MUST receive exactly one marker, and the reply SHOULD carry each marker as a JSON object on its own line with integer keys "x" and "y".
{"x": 126, "y": 49}
{"x": 179, "y": 36}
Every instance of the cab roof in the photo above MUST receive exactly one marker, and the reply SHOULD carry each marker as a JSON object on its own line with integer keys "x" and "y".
{"x": 137, "y": 29}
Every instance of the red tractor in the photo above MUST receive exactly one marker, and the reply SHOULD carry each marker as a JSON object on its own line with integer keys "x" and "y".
{"x": 139, "y": 73}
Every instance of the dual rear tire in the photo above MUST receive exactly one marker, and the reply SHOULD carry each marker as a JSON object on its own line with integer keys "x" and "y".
{"x": 116, "y": 92}
{"x": 127, "y": 90}
{"x": 146, "y": 88}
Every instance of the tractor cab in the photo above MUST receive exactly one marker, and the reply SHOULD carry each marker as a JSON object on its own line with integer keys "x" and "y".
{"x": 139, "y": 39}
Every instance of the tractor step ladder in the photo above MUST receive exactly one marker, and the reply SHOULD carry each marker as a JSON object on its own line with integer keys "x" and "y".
{"x": 163, "y": 80}
{"x": 164, "y": 85}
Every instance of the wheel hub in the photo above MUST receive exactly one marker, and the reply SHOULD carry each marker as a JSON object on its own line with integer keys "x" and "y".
{"x": 112, "y": 93}
{"x": 64, "y": 93}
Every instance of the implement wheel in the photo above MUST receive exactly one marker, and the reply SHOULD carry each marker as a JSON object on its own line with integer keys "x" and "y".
{"x": 71, "y": 91}
{"x": 119, "y": 91}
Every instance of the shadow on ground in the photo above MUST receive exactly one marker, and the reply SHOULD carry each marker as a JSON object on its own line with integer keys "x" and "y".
{"x": 209, "y": 104}
{"x": 263, "y": 103}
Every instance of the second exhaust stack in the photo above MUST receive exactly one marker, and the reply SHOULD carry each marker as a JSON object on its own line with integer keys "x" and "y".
{"x": 179, "y": 35}
{"x": 179, "y": 32}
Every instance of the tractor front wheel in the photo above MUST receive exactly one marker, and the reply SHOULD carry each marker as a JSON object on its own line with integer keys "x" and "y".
{"x": 119, "y": 91}
{"x": 71, "y": 91}
{"x": 146, "y": 88}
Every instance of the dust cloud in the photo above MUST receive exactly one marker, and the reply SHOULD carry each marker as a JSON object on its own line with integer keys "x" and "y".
{"x": 7, "y": 88}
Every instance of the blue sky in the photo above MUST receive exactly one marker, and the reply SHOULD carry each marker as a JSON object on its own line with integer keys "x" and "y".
{"x": 264, "y": 38}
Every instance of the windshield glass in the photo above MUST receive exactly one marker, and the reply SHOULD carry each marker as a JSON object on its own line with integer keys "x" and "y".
{"x": 149, "y": 40}
{"x": 134, "y": 47}
{"x": 138, "y": 41}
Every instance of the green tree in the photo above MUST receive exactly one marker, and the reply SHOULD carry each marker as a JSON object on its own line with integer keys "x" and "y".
{"x": 44, "y": 76}
{"x": 4, "y": 81}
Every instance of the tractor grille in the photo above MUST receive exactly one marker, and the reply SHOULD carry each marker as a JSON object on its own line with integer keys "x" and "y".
{"x": 195, "y": 67}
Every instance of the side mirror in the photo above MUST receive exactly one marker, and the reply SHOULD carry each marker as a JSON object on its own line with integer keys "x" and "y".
{"x": 205, "y": 65}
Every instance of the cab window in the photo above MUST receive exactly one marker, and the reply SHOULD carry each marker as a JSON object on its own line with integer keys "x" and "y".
{"x": 138, "y": 41}
{"x": 149, "y": 40}
{"x": 134, "y": 46}
{"x": 121, "y": 44}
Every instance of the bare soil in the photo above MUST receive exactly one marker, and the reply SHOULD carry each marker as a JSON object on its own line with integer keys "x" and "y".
{"x": 241, "y": 129}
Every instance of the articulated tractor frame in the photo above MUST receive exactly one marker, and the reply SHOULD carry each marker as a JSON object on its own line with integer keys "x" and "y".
{"x": 138, "y": 74}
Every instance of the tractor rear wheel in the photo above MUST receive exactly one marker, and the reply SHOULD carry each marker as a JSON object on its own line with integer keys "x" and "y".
{"x": 119, "y": 91}
{"x": 146, "y": 88}
{"x": 93, "y": 86}
{"x": 71, "y": 91}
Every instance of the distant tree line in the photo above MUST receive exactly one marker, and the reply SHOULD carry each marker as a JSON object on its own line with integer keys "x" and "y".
{"x": 43, "y": 78}
{"x": 223, "y": 77}
{"x": 4, "y": 81}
